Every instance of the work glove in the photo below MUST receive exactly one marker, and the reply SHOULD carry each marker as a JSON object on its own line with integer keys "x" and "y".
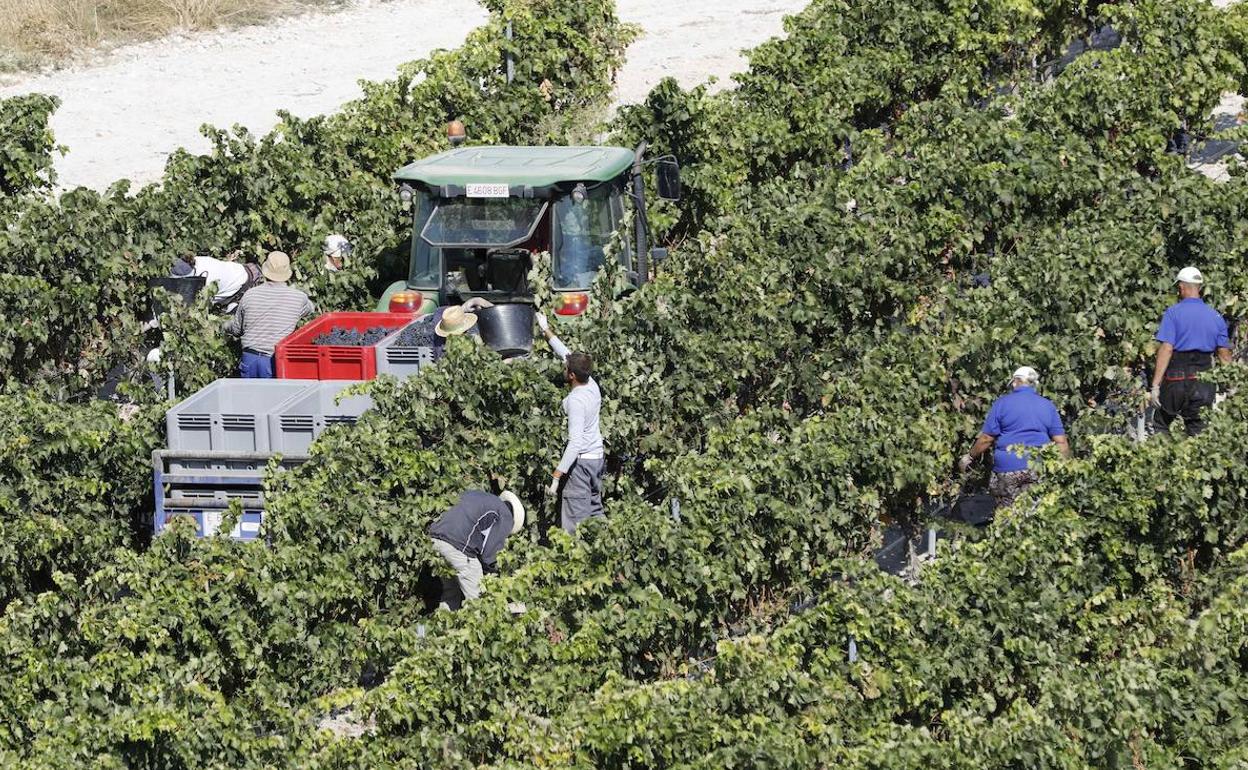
{"x": 1154, "y": 397}
{"x": 553, "y": 489}
{"x": 542, "y": 323}
{"x": 965, "y": 463}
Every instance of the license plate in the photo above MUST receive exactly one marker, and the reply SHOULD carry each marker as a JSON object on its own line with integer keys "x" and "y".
{"x": 489, "y": 191}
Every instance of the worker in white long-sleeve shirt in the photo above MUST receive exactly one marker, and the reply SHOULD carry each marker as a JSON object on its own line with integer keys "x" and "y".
{"x": 577, "y": 480}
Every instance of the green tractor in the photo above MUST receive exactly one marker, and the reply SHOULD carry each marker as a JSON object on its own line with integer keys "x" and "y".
{"x": 479, "y": 214}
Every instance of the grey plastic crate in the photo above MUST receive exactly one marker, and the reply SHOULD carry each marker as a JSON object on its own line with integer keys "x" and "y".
{"x": 401, "y": 362}
{"x": 294, "y": 427}
{"x": 230, "y": 415}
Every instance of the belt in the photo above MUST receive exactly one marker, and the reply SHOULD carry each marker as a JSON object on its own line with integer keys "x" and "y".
{"x": 1188, "y": 365}
{"x": 590, "y": 456}
{"x": 255, "y": 352}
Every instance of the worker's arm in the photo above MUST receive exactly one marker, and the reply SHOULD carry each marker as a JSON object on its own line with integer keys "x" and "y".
{"x": 560, "y": 349}
{"x": 983, "y": 442}
{"x": 1224, "y": 355}
{"x": 556, "y": 344}
{"x": 576, "y": 433}
{"x": 234, "y": 327}
{"x": 1063, "y": 445}
{"x": 1163, "y": 362}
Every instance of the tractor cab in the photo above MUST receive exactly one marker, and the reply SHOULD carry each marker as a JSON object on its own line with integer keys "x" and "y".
{"x": 479, "y": 214}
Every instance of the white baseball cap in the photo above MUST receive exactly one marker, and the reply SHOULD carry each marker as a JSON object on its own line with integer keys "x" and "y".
{"x": 334, "y": 243}
{"x": 517, "y": 510}
{"x": 1026, "y": 374}
{"x": 1190, "y": 275}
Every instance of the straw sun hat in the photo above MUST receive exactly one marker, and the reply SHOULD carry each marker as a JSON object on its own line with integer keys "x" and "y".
{"x": 455, "y": 321}
{"x": 276, "y": 267}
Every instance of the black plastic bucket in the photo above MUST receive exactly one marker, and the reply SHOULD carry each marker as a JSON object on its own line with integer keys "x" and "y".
{"x": 507, "y": 329}
{"x": 186, "y": 288}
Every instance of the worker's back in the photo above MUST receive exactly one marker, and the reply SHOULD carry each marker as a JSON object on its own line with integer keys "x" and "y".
{"x": 268, "y": 313}
{"x": 1022, "y": 417}
{"x": 477, "y": 524}
{"x": 229, "y": 277}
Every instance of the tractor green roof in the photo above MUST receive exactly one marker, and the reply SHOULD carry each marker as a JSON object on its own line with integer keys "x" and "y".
{"x": 518, "y": 166}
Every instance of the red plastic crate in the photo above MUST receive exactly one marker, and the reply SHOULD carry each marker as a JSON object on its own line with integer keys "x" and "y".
{"x": 298, "y": 359}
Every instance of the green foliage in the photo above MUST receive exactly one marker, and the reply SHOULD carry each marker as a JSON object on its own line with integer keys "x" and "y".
{"x": 75, "y": 483}
{"x": 26, "y": 145}
{"x": 810, "y": 360}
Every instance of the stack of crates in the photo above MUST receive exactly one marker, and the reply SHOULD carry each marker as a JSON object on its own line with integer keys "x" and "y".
{"x": 222, "y": 439}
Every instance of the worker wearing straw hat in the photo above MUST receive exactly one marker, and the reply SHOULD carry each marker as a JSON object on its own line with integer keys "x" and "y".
{"x": 1191, "y": 333}
{"x": 1017, "y": 422}
{"x": 453, "y": 321}
{"x": 266, "y": 315}
{"x": 470, "y": 535}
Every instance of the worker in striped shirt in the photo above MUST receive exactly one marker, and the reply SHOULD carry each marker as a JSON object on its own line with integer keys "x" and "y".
{"x": 267, "y": 314}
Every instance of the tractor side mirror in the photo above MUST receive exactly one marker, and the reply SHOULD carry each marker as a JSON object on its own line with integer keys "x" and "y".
{"x": 668, "y": 173}
{"x": 658, "y": 256}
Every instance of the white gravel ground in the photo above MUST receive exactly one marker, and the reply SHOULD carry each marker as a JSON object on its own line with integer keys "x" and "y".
{"x": 123, "y": 115}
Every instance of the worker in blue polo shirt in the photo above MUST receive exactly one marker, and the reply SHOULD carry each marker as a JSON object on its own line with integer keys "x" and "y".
{"x": 1018, "y": 421}
{"x": 1191, "y": 333}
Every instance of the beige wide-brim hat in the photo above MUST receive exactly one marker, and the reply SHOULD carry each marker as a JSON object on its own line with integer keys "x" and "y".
{"x": 455, "y": 320}
{"x": 276, "y": 267}
{"x": 517, "y": 510}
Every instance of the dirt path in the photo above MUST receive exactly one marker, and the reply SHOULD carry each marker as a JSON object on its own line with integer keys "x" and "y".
{"x": 122, "y": 116}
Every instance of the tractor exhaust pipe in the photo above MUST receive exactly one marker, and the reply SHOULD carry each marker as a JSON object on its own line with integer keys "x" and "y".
{"x": 640, "y": 221}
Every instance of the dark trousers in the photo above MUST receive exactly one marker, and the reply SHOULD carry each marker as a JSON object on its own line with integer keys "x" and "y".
{"x": 1183, "y": 395}
{"x": 1184, "y": 399}
{"x": 256, "y": 366}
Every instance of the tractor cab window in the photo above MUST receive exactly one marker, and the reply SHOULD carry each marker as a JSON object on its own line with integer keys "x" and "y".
{"x": 482, "y": 223}
{"x": 487, "y": 271}
{"x": 478, "y": 239}
{"x": 425, "y": 270}
{"x": 583, "y": 229}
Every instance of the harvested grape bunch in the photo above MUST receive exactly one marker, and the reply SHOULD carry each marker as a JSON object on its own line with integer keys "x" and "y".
{"x": 419, "y": 334}
{"x": 352, "y": 337}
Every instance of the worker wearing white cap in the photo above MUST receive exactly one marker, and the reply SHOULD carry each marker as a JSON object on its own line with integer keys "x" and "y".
{"x": 336, "y": 250}
{"x": 1017, "y": 422}
{"x": 1191, "y": 333}
{"x": 470, "y": 535}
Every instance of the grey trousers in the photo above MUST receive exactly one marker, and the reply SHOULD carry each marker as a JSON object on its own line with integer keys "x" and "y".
{"x": 467, "y": 568}
{"x": 582, "y": 493}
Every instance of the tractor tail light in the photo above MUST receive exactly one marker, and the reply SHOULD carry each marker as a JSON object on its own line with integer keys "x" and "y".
{"x": 571, "y": 304}
{"x": 407, "y": 302}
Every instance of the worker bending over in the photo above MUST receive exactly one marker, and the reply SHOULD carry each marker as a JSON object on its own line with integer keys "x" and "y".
{"x": 577, "y": 480}
{"x": 1190, "y": 333}
{"x": 1017, "y": 422}
{"x": 266, "y": 315}
{"x": 470, "y": 536}
{"x": 233, "y": 279}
